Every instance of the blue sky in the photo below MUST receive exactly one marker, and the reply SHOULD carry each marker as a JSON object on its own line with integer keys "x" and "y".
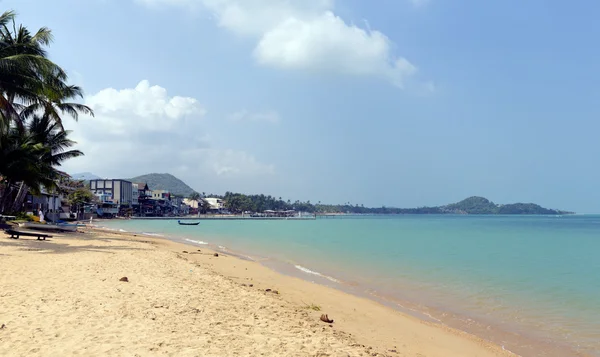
{"x": 390, "y": 102}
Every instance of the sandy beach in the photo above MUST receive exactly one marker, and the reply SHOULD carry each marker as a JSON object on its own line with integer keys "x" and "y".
{"x": 64, "y": 297}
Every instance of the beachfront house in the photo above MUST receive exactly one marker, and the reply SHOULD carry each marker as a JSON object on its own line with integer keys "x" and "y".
{"x": 146, "y": 207}
{"x": 119, "y": 191}
{"x": 52, "y": 202}
{"x": 193, "y": 204}
{"x": 161, "y": 195}
{"x": 46, "y": 201}
{"x": 179, "y": 208}
{"x": 143, "y": 191}
{"x": 216, "y": 204}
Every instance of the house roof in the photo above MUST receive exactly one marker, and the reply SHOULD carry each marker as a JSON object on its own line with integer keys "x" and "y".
{"x": 142, "y": 186}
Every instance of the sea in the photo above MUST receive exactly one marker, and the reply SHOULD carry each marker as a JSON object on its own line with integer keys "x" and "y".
{"x": 531, "y": 284}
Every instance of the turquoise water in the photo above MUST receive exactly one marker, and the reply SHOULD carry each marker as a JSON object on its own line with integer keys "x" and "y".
{"x": 533, "y": 274}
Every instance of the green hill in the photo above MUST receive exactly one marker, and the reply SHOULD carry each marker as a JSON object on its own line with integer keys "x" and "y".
{"x": 480, "y": 205}
{"x": 472, "y": 205}
{"x": 164, "y": 182}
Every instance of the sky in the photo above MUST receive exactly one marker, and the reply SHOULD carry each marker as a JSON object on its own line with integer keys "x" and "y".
{"x": 402, "y": 103}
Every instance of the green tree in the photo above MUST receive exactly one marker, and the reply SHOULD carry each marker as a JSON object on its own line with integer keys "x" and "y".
{"x": 28, "y": 79}
{"x": 80, "y": 196}
{"x": 195, "y": 196}
{"x": 203, "y": 206}
{"x": 33, "y": 96}
{"x": 53, "y": 143}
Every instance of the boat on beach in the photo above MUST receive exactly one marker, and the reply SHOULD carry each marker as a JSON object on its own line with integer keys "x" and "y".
{"x": 188, "y": 224}
{"x": 50, "y": 227}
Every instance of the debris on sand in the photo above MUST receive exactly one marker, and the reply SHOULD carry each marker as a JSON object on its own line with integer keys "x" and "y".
{"x": 124, "y": 279}
{"x": 326, "y": 319}
{"x": 216, "y": 254}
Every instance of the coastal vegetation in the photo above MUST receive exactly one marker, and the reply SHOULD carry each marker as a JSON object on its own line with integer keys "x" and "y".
{"x": 34, "y": 98}
{"x": 237, "y": 202}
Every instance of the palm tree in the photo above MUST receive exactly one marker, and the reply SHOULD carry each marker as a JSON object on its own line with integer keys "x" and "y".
{"x": 33, "y": 96}
{"x": 195, "y": 197}
{"x": 29, "y": 82}
{"x": 53, "y": 143}
{"x": 204, "y": 206}
{"x": 23, "y": 64}
{"x": 18, "y": 163}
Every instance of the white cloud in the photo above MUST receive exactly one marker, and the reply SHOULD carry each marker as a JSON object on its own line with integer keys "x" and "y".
{"x": 150, "y": 103}
{"x": 143, "y": 129}
{"x": 306, "y": 35}
{"x": 244, "y": 115}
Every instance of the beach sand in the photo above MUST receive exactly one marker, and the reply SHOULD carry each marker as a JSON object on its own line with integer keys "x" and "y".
{"x": 64, "y": 297}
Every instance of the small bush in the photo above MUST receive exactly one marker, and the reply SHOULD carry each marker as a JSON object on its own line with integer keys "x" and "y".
{"x": 22, "y": 216}
{"x": 313, "y": 307}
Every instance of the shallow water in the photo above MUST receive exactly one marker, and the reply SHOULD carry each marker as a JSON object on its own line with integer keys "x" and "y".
{"x": 536, "y": 276}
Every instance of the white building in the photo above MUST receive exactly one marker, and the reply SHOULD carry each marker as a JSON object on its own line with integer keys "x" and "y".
{"x": 190, "y": 203}
{"x": 216, "y": 204}
{"x": 160, "y": 195}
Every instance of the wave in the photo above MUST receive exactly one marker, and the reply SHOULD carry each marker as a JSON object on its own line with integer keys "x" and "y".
{"x": 308, "y": 271}
{"x": 196, "y": 241}
{"x": 152, "y": 234}
{"x": 111, "y": 229}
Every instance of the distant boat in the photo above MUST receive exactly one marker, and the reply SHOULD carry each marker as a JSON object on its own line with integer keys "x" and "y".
{"x": 50, "y": 227}
{"x": 188, "y": 224}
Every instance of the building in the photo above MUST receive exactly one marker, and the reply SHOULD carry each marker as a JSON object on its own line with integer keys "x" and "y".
{"x": 135, "y": 194}
{"x": 216, "y": 204}
{"x": 146, "y": 206}
{"x": 191, "y": 203}
{"x": 143, "y": 191}
{"x": 161, "y": 195}
{"x": 119, "y": 191}
{"x": 104, "y": 197}
{"x": 46, "y": 201}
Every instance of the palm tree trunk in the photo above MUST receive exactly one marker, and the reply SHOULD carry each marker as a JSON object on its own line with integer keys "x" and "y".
{"x": 18, "y": 203}
{"x": 5, "y": 199}
{"x": 3, "y": 190}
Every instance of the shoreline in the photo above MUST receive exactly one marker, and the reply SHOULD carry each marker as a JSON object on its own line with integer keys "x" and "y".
{"x": 161, "y": 274}
{"x": 508, "y": 337}
{"x": 514, "y": 340}
{"x": 324, "y": 286}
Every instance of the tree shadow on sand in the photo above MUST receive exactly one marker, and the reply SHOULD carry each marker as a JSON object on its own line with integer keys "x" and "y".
{"x": 52, "y": 246}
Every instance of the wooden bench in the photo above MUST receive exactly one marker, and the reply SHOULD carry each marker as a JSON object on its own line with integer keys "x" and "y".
{"x": 14, "y": 234}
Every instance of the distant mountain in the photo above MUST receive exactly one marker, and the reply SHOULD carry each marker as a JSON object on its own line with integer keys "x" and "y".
{"x": 480, "y": 205}
{"x": 164, "y": 182}
{"x": 86, "y": 176}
